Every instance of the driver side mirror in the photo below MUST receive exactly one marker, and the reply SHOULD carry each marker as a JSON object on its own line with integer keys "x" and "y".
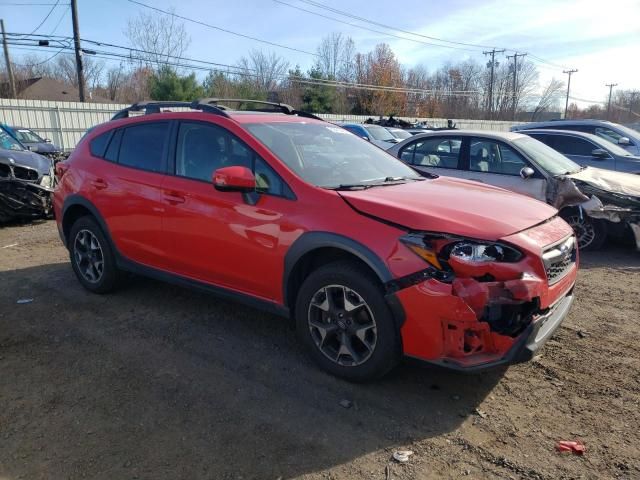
{"x": 527, "y": 172}
{"x": 47, "y": 140}
{"x": 600, "y": 153}
{"x": 624, "y": 141}
{"x": 234, "y": 179}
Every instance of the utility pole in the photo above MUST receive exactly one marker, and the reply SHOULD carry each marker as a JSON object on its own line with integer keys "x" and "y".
{"x": 515, "y": 79}
{"x": 12, "y": 82}
{"x": 493, "y": 64}
{"x": 76, "y": 44}
{"x": 610, "y": 85}
{"x": 632, "y": 101}
{"x": 566, "y": 104}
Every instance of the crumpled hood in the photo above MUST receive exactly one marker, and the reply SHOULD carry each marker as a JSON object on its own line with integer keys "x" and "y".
{"x": 609, "y": 180}
{"x": 449, "y": 205}
{"x": 26, "y": 158}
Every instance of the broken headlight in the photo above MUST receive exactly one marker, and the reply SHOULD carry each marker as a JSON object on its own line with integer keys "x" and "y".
{"x": 45, "y": 181}
{"x": 473, "y": 251}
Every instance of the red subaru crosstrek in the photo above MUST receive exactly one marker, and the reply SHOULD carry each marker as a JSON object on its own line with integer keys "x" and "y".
{"x": 298, "y": 216}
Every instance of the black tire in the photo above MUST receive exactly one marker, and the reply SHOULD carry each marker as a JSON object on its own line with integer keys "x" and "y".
{"x": 591, "y": 233}
{"x": 108, "y": 278}
{"x": 361, "y": 287}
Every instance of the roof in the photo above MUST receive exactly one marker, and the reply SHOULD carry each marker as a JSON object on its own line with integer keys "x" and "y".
{"x": 44, "y": 88}
{"x": 508, "y": 136}
{"x": 527, "y": 126}
{"x": 555, "y": 131}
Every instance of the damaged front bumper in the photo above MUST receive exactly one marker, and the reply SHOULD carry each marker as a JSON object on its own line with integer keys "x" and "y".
{"x": 493, "y": 313}
{"x": 21, "y": 196}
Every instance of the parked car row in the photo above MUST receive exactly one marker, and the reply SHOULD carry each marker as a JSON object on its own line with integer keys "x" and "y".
{"x": 371, "y": 258}
{"x": 596, "y": 202}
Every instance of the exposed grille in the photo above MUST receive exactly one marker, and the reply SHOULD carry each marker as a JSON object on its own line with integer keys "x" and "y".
{"x": 559, "y": 258}
{"x": 24, "y": 173}
{"x": 5, "y": 170}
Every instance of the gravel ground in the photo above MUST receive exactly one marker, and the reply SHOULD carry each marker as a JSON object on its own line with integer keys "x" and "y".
{"x": 156, "y": 382}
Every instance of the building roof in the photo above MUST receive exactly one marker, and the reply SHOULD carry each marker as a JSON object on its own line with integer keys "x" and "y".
{"x": 43, "y": 88}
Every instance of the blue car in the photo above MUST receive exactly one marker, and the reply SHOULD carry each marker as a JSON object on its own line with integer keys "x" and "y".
{"x": 587, "y": 150}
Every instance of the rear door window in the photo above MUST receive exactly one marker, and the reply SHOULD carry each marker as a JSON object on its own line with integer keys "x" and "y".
{"x": 143, "y": 146}
{"x": 433, "y": 152}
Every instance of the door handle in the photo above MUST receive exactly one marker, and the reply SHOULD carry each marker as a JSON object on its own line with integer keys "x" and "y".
{"x": 173, "y": 198}
{"x": 477, "y": 180}
{"x": 99, "y": 184}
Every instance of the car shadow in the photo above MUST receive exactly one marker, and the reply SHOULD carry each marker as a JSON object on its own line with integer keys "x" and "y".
{"x": 616, "y": 255}
{"x": 156, "y": 381}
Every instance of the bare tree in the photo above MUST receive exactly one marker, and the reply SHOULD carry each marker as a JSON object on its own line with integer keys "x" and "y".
{"x": 162, "y": 38}
{"x": 265, "y": 70}
{"x": 335, "y": 57}
{"x": 550, "y": 95}
{"x": 65, "y": 70}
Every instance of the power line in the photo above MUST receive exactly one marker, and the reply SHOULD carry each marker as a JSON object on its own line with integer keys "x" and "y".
{"x": 198, "y": 22}
{"x": 610, "y": 85}
{"x": 566, "y": 103}
{"x": 371, "y": 29}
{"x": 45, "y": 18}
{"x": 297, "y": 79}
{"x": 372, "y": 22}
{"x": 64, "y": 14}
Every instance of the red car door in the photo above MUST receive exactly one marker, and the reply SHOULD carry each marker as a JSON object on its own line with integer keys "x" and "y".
{"x": 228, "y": 239}
{"x": 127, "y": 190}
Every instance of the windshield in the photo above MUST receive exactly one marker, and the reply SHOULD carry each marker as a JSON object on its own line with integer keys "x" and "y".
{"x": 379, "y": 133}
{"x": 329, "y": 156}
{"x": 612, "y": 147}
{"x": 628, "y": 132}
{"x": 28, "y": 136}
{"x": 396, "y": 132}
{"x": 8, "y": 142}
{"x": 550, "y": 160}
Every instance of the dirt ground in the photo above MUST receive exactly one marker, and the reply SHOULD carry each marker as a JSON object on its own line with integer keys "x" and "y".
{"x": 158, "y": 382}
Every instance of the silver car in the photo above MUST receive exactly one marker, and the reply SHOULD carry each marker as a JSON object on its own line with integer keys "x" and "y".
{"x": 595, "y": 202}
{"x": 625, "y": 137}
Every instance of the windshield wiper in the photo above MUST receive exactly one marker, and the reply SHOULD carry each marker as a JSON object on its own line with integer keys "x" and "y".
{"x": 351, "y": 186}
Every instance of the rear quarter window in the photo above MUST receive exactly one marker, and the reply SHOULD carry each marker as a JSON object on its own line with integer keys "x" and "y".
{"x": 98, "y": 145}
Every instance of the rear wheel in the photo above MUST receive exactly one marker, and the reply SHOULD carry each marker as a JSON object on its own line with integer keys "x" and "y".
{"x": 345, "y": 323}
{"x": 591, "y": 233}
{"x": 91, "y": 256}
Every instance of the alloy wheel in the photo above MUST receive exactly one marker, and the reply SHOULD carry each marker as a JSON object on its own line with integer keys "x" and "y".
{"x": 88, "y": 255}
{"x": 584, "y": 230}
{"x": 342, "y": 325}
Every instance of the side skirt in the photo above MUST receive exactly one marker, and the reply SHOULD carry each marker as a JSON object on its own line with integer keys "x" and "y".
{"x": 249, "y": 300}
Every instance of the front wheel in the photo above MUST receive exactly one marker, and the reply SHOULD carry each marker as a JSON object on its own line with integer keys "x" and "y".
{"x": 345, "y": 323}
{"x": 591, "y": 233}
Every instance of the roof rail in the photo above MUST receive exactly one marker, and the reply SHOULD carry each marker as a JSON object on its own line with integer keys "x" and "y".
{"x": 154, "y": 106}
{"x": 282, "y": 107}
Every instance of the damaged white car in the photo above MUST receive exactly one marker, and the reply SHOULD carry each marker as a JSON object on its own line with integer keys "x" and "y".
{"x": 596, "y": 203}
{"x": 26, "y": 181}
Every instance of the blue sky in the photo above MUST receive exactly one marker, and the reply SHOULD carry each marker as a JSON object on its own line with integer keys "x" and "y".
{"x": 600, "y": 39}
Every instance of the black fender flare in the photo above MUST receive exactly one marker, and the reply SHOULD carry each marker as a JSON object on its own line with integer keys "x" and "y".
{"x": 76, "y": 199}
{"x": 310, "y": 241}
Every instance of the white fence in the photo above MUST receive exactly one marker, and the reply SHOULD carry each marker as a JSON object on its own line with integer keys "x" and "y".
{"x": 65, "y": 122}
